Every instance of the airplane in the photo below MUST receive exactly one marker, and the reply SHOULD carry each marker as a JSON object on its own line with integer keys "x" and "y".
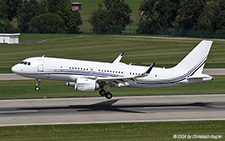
{"x": 88, "y": 76}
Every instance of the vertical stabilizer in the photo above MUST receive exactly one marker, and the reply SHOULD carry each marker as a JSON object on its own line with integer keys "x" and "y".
{"x": 196, "y": 59}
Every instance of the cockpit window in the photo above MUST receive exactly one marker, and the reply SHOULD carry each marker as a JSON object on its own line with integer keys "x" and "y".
{"x": 26, "y": 63}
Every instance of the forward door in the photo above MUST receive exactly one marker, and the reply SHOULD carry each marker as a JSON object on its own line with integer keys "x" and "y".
{"x": 40, "y": 65}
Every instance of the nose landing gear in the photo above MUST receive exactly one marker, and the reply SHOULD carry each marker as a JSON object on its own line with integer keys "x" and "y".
{"x": 37, "y": 88}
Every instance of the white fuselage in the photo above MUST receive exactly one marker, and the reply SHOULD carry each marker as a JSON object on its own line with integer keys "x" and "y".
{"x": 69, "y": 70}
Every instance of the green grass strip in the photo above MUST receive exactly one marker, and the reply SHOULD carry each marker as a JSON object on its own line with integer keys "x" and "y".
{"x": 120, "y": 131}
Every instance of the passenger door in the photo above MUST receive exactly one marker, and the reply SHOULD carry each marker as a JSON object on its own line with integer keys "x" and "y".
{"x": 40, "y": 65}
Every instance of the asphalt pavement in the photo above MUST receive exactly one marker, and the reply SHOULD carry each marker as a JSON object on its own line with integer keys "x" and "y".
{"x": 117, "y": 110}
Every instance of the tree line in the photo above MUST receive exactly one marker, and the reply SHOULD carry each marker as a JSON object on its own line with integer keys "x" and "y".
{"x": 197, "y": 18}
{"x": 43, "y": 16}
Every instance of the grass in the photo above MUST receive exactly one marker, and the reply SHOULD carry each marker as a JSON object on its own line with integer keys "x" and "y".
{"x": 121, "y": 131}
{"x": 138, "y": 50}
{"x": 52, "y": 89}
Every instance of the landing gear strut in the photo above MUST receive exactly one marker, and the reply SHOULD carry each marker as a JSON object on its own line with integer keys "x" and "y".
{"x": 37, "y": 88}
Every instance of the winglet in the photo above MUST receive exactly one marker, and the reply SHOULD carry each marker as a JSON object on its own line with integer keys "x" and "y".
{"x": 147, "y": 72}
{"x": 150, "y": 68}
{"x": 117, "y": 60}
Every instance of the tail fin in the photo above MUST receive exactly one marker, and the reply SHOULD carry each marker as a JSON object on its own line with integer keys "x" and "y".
{"x": 196, "y": 59}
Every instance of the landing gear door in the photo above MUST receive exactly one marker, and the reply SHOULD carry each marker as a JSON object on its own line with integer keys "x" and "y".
{"x": 40, "y": 65}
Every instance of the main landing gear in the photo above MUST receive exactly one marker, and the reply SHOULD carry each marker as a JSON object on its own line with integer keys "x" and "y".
{"x": 37, "y": 88}
{"x": 108, "y": 95}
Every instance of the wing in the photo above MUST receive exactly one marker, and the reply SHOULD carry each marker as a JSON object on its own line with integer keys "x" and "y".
{"x": 124, "y": 81}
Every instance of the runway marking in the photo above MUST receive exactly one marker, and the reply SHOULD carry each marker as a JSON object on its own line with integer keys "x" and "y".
{"x": 21, "y": 111}
{"x": 171, "y": 107}
{"x": 105, "y": 122}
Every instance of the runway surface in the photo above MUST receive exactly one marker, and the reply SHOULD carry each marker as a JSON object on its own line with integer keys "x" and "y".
{"x": 116, "y": 110}
{"x": 12, "y": 76}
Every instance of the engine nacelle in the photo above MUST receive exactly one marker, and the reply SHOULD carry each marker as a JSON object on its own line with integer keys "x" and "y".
{"x": 84, "y": 85}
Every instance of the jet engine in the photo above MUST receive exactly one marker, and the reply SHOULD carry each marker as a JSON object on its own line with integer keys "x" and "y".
{"x": 84, "y": 85}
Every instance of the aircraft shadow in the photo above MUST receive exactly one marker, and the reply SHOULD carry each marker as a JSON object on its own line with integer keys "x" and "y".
{"x": 105, "y": 106}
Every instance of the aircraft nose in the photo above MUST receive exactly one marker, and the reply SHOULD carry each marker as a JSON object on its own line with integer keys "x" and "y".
{"x": 15, "y": 69}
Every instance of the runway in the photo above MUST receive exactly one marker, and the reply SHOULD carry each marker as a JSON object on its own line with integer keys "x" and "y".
{"x": 117, "y": 110}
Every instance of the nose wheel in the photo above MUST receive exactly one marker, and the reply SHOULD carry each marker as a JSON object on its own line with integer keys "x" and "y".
{"x": 37, "y": 88}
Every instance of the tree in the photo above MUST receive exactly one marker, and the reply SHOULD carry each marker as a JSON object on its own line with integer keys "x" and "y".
{"x": 8, "y": 9}
{"x": 53, "y": 6}
{"x": 188, "y": 14}
{"x": 47, "y": 23}
{"x": 3, "y": 9}
{"x": 6, "y": 26}
{"x": 28, "y": 10}
{"x": 74, "y": 22}
{"x": 12, "y": 8}
{"x": 44, "y": 6}
{"x": 213, "y": 16}
{"x": 118, "y": 15}
{"x": 157, "y": 16}
{"x": 99, "y": 20}
{"x": 113, "y": 17}
{"x": 72, "y": 19}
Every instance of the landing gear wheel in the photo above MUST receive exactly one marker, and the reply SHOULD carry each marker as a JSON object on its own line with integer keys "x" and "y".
{"x": 108, "y": 95}
{"x": 37, "y": 88}
{"x": 102, "y": 92}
